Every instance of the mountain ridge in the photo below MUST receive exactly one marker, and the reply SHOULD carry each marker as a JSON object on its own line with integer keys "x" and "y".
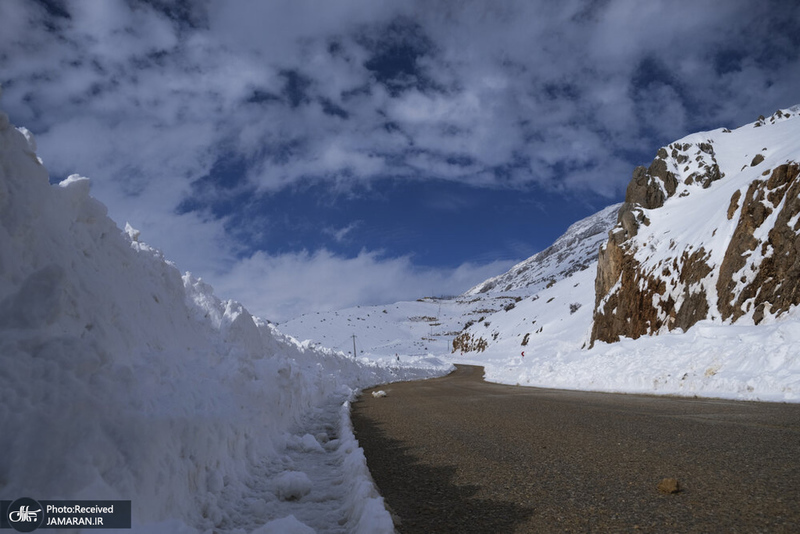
{"x": 560, "y": 259}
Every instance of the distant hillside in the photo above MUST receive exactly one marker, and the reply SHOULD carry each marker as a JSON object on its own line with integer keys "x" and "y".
{"x": 574, "y": 251}
{"x": 436, "y": 324}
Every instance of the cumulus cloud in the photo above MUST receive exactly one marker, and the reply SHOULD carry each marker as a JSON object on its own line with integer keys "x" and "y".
{"x": 340, "y": 234}
{"x": 147, "y": 96}
{"x": 279, "y": 287}
{"x": 364, "y": 89}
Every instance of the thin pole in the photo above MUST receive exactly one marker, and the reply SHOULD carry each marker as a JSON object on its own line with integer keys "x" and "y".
{"x": 354, "y": 346}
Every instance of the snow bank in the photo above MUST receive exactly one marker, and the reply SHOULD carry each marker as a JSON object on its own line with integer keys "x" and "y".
{"x": 739, "y": 361}
{"x": 742, "y": 362}
{"x": 122, "y": 379}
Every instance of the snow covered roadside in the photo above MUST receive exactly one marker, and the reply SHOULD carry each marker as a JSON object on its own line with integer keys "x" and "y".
{"x": 122, "y": 379}
{"x": 739, "y": 361}
{"x": 711, "y": 360}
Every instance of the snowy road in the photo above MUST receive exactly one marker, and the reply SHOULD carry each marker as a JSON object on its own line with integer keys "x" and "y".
{"x": 457, "y": 454}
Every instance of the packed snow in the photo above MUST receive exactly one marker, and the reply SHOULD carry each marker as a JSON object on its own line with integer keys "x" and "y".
{"x": 121, "y": 378}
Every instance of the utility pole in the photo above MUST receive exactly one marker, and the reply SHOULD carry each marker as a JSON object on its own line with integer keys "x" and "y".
{"x": 355, "y": 354}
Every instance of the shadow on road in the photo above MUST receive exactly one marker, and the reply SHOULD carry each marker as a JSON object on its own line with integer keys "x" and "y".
{"x": 425, "y": 498}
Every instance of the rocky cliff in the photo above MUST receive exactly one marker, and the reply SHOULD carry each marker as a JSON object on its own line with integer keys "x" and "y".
{"x": 710, "y": 230}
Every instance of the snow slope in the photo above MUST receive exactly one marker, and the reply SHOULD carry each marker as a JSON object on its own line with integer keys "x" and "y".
{"x": 708, "y": 231}
{"x": 120, "y": 378}
{"x": 574, "y": 251}
{"x": 405, "y": 329}
{"x": 429, "y": 325}
{"x": 741, "y": 361}
{"x": 712, "y": 358}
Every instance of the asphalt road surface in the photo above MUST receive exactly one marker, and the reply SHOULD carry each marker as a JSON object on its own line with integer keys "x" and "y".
{"x": 459, "y": 455}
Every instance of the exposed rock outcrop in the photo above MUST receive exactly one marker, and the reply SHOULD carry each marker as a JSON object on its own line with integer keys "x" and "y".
{"x": 651, "y": 186}
{"x": 737, "y": 249}
{"x": 618, "y": 272}
{"x": 466, "y": 342}
{"x": 774, "y": 285}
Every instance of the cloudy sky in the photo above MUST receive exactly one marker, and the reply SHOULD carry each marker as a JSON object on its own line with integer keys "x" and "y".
{"x": 304, "y": 155}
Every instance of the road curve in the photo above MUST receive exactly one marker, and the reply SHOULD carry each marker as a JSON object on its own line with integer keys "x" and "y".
{"x": 457, "y": 454}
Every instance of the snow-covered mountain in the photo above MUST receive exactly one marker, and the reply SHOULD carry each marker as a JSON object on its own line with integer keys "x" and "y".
{"x": 703, "y": 253}
{"x": 711, "y": 230}
{"x": 433, "y": 324}
{"x": 574, "y": 251}
{"x": 120, "y": 378}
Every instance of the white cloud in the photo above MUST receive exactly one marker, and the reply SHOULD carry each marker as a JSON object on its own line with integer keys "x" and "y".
{"x": 545, "y": 91}
{"x": 514, "y": 77}
{"x": 339, "y": 234}
{"x": 285, "y": 286}
{"x": 112, "y": 32}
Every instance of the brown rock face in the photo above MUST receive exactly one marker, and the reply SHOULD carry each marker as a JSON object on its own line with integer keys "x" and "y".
{"x": 694, "y": 306}
{"x": 650, "y": 187}
{"x": 760, "y": 271}
{"x": 734, "y": 205}
{"x": 639, "y": 304}
{"x": 775, "y": 283}
{"x": 466, "y": 342}
{"x": 625, "y": 312}
{"x": 628, "y": 311}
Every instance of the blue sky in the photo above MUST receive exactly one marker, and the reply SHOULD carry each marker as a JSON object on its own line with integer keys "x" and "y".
{"x": 306, "y": 155}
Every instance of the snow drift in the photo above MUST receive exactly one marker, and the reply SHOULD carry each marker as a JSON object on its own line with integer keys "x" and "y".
{"x": 120, "y": 378}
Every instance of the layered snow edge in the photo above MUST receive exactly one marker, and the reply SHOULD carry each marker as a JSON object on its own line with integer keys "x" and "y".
{"x": 120, "y": 378}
